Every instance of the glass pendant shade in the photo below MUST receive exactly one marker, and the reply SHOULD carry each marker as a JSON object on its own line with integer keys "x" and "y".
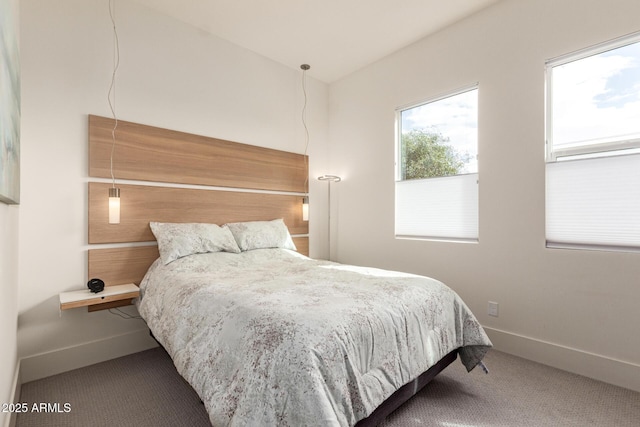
{"x": 114, "y": 205}
{"x": 305, "y": 208}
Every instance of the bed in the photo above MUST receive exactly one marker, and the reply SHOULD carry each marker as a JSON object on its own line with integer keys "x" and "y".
{"x": 263, "y": 333}
{"x": 270, "y": 337}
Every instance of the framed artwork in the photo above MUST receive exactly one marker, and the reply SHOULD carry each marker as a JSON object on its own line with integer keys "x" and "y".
{"x": 9, "y": 104}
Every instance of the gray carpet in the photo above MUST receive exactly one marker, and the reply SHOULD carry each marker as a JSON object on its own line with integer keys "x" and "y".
{"x": 144, "y": 389}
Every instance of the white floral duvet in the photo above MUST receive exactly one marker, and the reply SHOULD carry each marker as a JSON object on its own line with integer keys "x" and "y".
{"x": 271, "y": 338}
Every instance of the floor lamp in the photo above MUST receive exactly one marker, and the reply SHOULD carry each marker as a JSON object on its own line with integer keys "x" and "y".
{"x": 329, "y": 179}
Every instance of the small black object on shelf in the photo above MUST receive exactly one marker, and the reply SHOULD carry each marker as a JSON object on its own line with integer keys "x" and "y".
{"x": 95, "y": 285}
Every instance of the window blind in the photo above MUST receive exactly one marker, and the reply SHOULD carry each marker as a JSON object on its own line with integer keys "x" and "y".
{"x": 594, "y": 202}
{"x": 440, "y": 208}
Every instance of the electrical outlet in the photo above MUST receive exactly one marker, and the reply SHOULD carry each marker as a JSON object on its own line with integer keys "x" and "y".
{"x": 492, "y": 309}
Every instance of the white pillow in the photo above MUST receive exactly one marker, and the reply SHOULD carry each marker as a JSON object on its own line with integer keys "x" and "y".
{"x": 177, "y": 240}
{"x": 261, "y": 235}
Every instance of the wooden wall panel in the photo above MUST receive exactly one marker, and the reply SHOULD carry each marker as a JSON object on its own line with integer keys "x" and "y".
{"x": 141, "y": 204}
{"x": 153, "y": 154}
{"x": 117, "y": 266}
{"x": 302, "y": 244}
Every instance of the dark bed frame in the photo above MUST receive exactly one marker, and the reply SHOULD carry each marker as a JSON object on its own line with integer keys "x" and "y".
{"x": 406, "y": 392}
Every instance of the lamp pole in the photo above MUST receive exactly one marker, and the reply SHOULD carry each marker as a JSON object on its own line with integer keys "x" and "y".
{"x": 329, "y": 179}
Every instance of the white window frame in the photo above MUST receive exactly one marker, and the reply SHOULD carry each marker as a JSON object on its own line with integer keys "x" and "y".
{"x": 602, "y": 146}
{"x": 464, "y": 178}
{"x": 589, "y": 182}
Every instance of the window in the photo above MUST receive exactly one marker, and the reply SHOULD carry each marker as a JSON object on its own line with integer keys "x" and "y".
{"x": 593, "y": 147}
{"x": 437, "y": 168}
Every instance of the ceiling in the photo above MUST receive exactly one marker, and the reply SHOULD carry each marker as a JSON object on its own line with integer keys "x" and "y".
{"x": 336, "y": 37}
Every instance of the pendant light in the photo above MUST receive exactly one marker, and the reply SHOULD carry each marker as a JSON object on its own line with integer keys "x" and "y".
{"x": 114, "y": 205}
{"x": 114, "y": 192}
{"x": 305, "y": 199}
{"x": 305, "y": 208}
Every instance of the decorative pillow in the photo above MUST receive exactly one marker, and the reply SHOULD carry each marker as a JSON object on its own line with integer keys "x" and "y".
{"x": 176, "y": 240}
{"x": 261, "y": 235}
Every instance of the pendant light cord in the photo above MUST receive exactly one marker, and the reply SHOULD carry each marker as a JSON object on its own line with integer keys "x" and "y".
{"x": 304, "y": 68}
{"x": 112, "y": 89}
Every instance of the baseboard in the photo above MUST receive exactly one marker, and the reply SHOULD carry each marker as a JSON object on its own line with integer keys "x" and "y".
{"x": 66, "y": 359}
{"x": 599, "y": 367}
{"x": 10, "y": 421}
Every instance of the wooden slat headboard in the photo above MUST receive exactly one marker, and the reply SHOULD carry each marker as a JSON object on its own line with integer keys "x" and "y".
{"x": 141, "y": 204}
{"x": 145, "y": 153}
{"x": 149, "y": 153}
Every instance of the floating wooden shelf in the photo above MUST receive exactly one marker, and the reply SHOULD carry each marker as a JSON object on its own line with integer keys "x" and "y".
{"x": 118, "y": 294}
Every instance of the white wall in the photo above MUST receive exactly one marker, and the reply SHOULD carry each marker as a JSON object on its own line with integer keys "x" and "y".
{"x": 171, "y": 75}
{"x": 8, "y": 279}
{"x": 572, "y": 309}
{"x": 8, "y": 303}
